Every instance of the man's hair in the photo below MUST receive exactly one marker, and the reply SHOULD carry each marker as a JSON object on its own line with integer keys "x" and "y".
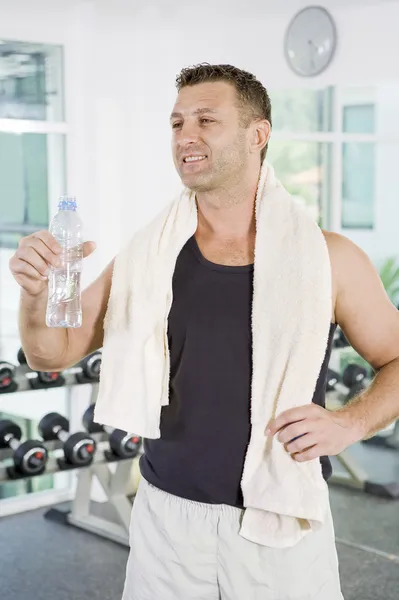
{"x": 254, "y": 101}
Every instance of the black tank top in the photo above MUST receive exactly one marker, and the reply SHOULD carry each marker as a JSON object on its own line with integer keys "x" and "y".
{"x": 205, "y": 430}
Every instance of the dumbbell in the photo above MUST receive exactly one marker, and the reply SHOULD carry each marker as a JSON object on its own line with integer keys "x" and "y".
{"x": 334, "y": 383}
{"x": 43, "y": 379}
{"x": 354, "y": 375}
{"x": 7, "y": 375}
{"x": 88, "y": 370}
{"x": 30, "y": 457}
{"x": 79, "y": 448}
{"x": 340, "y": 340}
{"x": 350, "y": 384}
{"x": 122, "y": 443}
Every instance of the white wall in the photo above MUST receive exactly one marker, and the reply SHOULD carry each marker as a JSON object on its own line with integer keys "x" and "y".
{"x": 147, "y": 46}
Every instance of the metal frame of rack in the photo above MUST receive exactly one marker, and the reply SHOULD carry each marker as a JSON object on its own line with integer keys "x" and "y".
{"x": 116, "y": 478}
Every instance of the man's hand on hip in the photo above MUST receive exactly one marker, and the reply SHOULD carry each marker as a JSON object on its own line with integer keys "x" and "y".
{"x": 310, "y": 431}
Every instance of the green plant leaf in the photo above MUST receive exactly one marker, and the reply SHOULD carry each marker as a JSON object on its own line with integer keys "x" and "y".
{"x": 389, "y": 275}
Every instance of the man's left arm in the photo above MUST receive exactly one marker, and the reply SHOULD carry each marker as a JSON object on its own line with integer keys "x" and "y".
{"x": 370, "y": 322}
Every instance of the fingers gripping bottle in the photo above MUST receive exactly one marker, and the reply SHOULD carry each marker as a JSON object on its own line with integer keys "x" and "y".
{"x": 64, "y": 308}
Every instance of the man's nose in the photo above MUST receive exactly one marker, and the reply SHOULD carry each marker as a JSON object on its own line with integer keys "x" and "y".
{"x": 188, "y": 134}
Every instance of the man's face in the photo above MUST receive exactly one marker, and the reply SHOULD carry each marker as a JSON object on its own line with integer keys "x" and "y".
{"x": 210, "y": 147}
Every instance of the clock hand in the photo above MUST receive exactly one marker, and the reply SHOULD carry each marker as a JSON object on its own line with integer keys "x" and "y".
{"x": 314, "y": 49}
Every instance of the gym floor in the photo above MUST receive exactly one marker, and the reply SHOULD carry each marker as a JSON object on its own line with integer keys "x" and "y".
{"x": 41, "y": 559}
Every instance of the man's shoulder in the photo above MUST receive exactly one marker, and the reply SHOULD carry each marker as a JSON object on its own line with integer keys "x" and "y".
{"x": 347, "y": 259}
{"x": 340, "y": 247}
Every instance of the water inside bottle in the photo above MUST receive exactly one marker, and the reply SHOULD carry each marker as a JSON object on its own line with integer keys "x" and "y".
{"x": 64, "y": 302}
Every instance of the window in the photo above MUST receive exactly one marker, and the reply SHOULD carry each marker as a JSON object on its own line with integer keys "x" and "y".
{"x": 300, "y": 149}
{"x": 335, "y": 150}
{"x": 30, "y": 81}
{"x": 32, "y": 175}
{"x": 358, "y": 185}
{"x": 301, "y": 166}
{"x": 358, "y": 166}
{"x": 302, "y": 110}
{"x": 358, "y": 118}
{"x": 32, "y": 130}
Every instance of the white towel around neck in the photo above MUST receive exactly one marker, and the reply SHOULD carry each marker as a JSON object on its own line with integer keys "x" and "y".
{"x": 291, "y": 315}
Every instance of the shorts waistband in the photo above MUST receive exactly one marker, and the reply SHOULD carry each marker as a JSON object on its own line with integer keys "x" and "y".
{"x": 204, "y": 506}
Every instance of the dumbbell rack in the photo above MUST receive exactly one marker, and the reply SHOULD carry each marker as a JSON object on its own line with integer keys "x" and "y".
{"x": 55, "y": 451}
{"x": 27, "y": 380}
{"x": 83, "y": 513}
{"x": 109, "y": 519}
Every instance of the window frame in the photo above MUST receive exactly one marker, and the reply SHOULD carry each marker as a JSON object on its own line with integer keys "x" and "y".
{"x": 46, "y": 127}
{"x": 332, "y": 208}
{"x": 62, "y": 491}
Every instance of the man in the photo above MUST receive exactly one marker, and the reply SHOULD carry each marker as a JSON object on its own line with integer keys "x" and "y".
{"x": 185, "y": 541}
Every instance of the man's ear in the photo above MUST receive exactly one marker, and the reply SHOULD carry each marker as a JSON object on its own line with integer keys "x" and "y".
{"x": 260, "y": 135}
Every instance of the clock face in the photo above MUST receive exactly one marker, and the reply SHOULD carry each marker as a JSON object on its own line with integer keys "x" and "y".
{"x": 310, "y": 41}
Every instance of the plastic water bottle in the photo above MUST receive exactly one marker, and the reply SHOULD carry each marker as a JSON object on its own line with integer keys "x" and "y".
{"x": 64, "y": 308}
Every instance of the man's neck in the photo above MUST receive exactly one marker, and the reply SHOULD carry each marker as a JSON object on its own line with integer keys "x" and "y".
{"x": 227, "y": 214}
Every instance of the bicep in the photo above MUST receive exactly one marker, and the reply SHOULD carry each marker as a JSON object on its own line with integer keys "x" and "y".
{"x": 363, "y": 309}
{"x": 90, "y": 336}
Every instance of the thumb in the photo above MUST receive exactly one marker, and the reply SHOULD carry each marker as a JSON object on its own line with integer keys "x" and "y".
{"x": 88, "y": 248}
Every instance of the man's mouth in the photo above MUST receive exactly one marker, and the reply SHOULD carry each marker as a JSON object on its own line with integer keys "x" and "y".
{"x": 192, "y": 159}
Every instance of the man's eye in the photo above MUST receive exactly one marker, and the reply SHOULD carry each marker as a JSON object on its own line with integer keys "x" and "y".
{"x": 176, "y": 125}
{"x": 204, "y": 120}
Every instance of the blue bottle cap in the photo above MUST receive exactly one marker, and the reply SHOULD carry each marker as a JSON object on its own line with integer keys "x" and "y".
{"x": 67, "y": 203}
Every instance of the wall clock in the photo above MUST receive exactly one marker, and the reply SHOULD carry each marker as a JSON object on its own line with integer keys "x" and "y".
{"x": 310, "y": 41}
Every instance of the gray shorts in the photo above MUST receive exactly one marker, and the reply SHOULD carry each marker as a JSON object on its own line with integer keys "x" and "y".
{"x": 184, "y": 550}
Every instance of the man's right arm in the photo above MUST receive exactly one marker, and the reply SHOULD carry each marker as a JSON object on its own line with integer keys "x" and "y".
{"x": 54, "y": 349}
